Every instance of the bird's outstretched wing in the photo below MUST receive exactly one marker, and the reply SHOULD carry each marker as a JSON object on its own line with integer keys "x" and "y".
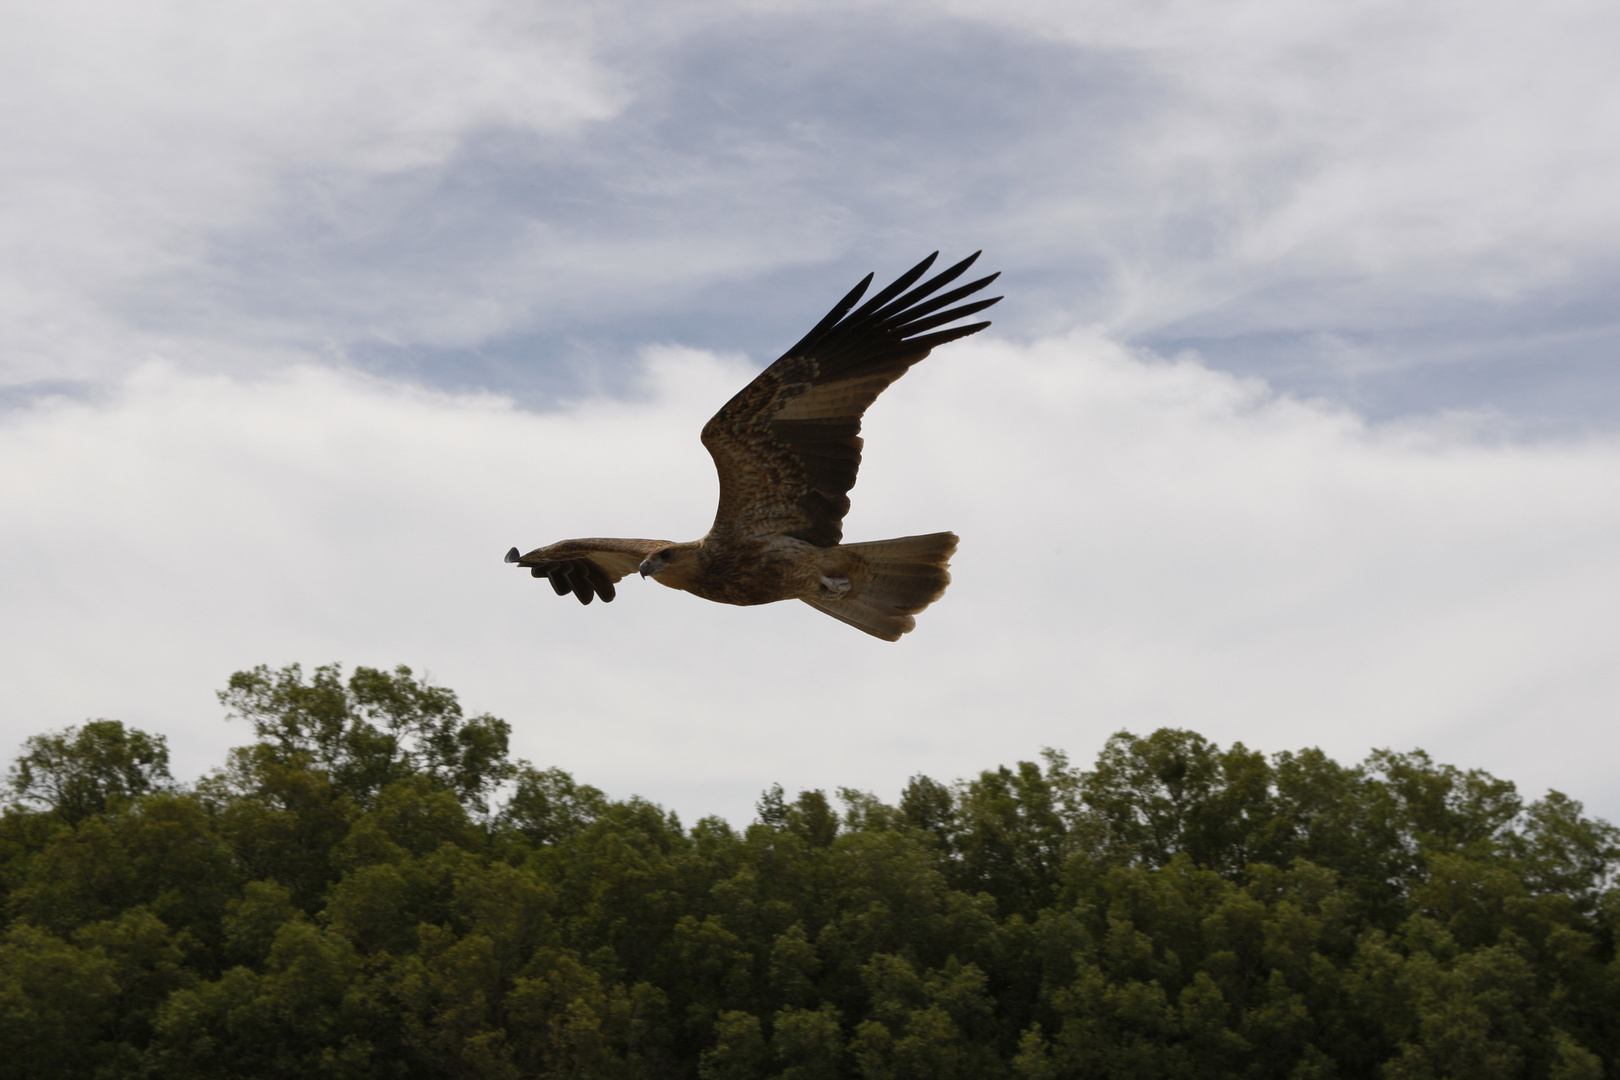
{"x": 586, "y": 568}
{"x": 788, "y": 446}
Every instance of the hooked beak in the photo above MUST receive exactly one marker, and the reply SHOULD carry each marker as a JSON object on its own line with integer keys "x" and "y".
{"x": 646, "y": 570}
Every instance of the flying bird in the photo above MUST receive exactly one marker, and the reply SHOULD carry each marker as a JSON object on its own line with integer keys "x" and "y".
{"x": 787, "y": 448}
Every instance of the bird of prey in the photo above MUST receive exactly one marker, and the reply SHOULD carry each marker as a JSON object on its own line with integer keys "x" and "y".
{"x": 787, "y": 449}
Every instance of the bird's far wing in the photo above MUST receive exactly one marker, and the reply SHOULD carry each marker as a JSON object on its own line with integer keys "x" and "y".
{"x": 788, "y": 446}
{"x": 586, "y": 568}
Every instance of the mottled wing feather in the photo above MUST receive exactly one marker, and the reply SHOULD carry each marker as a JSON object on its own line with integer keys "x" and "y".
{"x": 587, "y": 568}
{"x": 788, "y": 446}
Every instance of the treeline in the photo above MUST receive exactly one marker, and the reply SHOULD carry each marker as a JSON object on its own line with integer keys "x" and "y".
{"x": 373, "y": 889}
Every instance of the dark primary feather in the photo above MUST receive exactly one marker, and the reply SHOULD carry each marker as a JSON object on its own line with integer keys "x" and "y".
{"x": 788, "y": 446}
{"x": 587, "y": 568}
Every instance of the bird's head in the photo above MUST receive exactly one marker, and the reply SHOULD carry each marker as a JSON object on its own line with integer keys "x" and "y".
{"x": 675, "y": 565}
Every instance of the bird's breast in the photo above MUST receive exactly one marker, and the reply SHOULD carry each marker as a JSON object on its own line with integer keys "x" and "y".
{"x": 751, "y": 571}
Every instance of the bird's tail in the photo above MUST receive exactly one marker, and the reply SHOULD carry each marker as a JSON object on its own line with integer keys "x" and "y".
{"x": 889, "y": 582}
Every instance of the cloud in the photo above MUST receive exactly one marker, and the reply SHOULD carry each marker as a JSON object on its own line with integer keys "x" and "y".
{"x": 1144, "y": 543}
{"x": 142, "y": 137}
{"x": 1402, "y": 207}
{"x": 308, "y": 312}
{"x": 1374, "y": 136}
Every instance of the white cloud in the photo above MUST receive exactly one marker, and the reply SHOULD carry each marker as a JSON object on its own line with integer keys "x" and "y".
{"x": 1144, "y": 543}
{"x": 138, "y": 135}
{"x": 231, "y": 174}
{"x": 1387, "y": 155}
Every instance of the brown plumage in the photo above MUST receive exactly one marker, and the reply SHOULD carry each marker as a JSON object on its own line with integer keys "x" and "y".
{"x": 787, "y": 449}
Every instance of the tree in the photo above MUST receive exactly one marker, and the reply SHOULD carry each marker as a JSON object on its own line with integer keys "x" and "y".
{"x": 55, "y": 1001}
{"x": 1174, "y": 791}
{"x": 546, "y": 805}
{"x": 82, "y": 771}
{"x": 1011, "y": 837}
{"x": 350, "y": 899}
{"x": 377, "y": 728}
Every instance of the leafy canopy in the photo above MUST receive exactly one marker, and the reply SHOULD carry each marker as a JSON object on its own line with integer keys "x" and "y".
{"x": 373, "y": 889}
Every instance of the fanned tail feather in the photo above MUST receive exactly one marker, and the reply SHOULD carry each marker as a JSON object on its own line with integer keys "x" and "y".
{"x": 891, "y": 581}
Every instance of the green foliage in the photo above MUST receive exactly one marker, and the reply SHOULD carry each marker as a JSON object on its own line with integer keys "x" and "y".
{"x": 82, "y": 771}
{"x": 352, "y": 897}
{"x": 55, "y": 999}
{"x": 162, "y": 852}
{"x": 376, "y": 728}
{"x": 547, "y": 806}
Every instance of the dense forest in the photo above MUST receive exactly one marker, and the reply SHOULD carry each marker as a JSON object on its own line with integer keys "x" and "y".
{"x": 374, "y": 888}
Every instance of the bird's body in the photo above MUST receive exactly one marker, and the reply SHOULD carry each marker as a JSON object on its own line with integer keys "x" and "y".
{"x": 744, "y": 570}
{"x": 787, "y": 448}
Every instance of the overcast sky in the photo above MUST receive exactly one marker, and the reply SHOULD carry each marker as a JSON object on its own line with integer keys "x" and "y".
{"x": 1299, "y": 424}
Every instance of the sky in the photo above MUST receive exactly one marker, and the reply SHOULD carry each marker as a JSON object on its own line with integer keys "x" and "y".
{"x": 1299, "y": 424}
